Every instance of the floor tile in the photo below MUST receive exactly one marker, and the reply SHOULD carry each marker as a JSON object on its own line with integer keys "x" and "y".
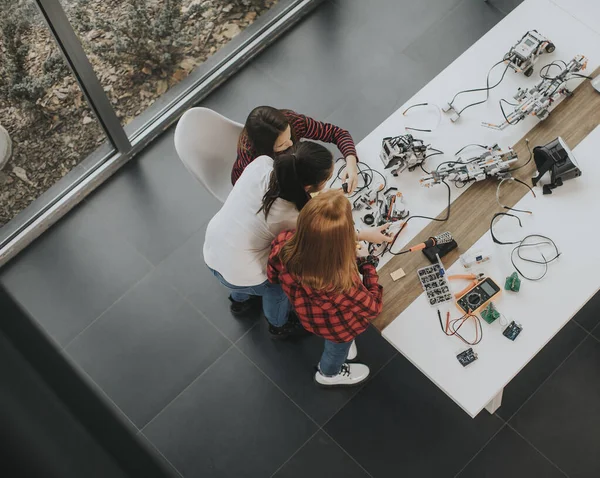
{"x": 247, "y": 89}
{"x": 509, "y": 455}
{"x": 73, "y": 273}
{"x": 562, "y": 419}
{"x": 35, "y": 418}
{"x": 291, "y": 365}
{"x": 147, "y": 348}
{"x": 366, "y": 108}
{"x": 320, "y": 61}
{"x": 539, "y": 369}
{"x": 231, "y": 422}
{"x": 397, "y": 23}
{"x": 402, "y": 422}
{"x": 321, "y": 457}
{"x": 589, "y": 315}
{"x": 449, "y": 37}
{"x": 505, "y": 6}
{"x": 596, "y": 332}
{"x": 154, "y": 202}
{"x": 171, "y": 471}
{"x": 186, "y": 271}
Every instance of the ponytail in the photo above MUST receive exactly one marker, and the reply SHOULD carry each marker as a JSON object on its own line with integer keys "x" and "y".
{"x": 306, "y": 164}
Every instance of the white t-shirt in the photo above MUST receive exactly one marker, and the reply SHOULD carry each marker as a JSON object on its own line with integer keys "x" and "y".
{"x": 238, "y": 240}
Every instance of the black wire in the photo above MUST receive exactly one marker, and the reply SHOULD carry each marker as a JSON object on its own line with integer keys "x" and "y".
{"x": 545, "y": 261}
{"x": 455, "y": 330}
{"x": 388, "y": 248}
{"x": 504, "y": 114}
{"x": 522, "y": 244}
{"x": 487, "y": 87}
{"x": 469, "y": 145}
{"x": 487, "y": 96}
{"x": 523, "y": 165}
{"x": 367, "y": 174}
{"x": 436, "y": 153}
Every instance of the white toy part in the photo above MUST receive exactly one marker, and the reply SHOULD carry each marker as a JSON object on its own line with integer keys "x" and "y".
{"x": 473, "y": 258}
{"x": 402, "y": 152}
{"x": 526, "y": 52}
{"x": 492, "y": 163}
{"x": 538, "y": 100}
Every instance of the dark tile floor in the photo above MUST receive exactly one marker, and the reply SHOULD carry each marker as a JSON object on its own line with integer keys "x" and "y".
{"x": 121, "y": 287}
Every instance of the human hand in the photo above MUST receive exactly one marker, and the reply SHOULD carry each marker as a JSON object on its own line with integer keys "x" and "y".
{"x": 350, "y": 173}
{"x": 375, "y": 235}
{"x": 361, "y": 250}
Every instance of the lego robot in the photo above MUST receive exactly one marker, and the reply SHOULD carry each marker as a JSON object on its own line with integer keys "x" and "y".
{"x": 492, "y": 163}
{"x": 538, "y": 100}
{"x": 522, "y": 56}
{"x": 402, "y": 152}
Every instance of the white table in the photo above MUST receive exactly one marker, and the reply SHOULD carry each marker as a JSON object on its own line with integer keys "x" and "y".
{"x": 416, "y": 333}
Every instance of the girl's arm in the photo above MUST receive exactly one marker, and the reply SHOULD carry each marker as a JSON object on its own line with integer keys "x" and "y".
{"x": 309, "y": 128}
{"x": 371, "y": 299}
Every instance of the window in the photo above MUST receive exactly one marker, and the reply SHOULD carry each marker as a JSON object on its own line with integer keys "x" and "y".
{"x": 140, "y": 49}
{"x": 43, "y": 113}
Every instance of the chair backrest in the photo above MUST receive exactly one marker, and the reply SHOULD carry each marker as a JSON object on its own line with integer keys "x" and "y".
{"x": 206, "y": 142}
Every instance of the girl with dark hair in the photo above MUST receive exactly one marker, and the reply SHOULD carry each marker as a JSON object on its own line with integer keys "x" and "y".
{"x": 318, "y": 269}
{"x": 270, "y": 131}
{"x": 265, "y": 201}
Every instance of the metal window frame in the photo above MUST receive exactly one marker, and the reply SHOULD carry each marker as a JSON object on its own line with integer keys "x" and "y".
{"x": 125, "y": 147}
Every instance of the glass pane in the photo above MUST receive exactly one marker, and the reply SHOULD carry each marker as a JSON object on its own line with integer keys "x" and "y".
{"x": 44, "y": 118}
{"x": 141, "y": 48}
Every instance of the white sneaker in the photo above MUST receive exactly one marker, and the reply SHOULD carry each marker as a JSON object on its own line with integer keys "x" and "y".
{"x": 350, "y": 374}
{"x": 353, "y": 352}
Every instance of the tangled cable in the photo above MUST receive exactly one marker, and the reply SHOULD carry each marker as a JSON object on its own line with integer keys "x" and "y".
{"x": 540, "y": 241}
{"x": 452, "y": 329}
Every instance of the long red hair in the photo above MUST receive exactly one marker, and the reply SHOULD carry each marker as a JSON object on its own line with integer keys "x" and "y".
{"x": 322, "y": 251}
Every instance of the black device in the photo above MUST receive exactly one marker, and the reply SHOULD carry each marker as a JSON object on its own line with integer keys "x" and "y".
{"x": 557, "y": 159}
{"x": 478, "y": 297}
{"x": 512, "y": 331}
{"x": 345, "y": 187}
{"x": 439, "y": 249}
{"x": 466, "y": 357}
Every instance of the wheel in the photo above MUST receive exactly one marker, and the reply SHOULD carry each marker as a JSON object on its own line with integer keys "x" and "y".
{"x": 550, "y": 48}
{"x": 528, "y": 72}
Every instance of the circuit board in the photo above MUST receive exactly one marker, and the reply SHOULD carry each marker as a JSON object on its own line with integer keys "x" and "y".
{"x": 435, "y": 285}
{"x": 512, "y": 331}
{"x": 466, "y": 357}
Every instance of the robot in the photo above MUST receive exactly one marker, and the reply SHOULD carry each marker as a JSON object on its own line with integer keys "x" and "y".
{"x": 492, "y": 163}
{"x": 381, "y": 207}
{"x": 402, "y": 152}
{"x": 525, "y": 53}
{"x": 538, "y": 100}
{"x": 521, "y": 58}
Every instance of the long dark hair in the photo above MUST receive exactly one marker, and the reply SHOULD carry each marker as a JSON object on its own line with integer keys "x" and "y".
{"x": 263, "y": 125}
{"x": 304, "y": 164}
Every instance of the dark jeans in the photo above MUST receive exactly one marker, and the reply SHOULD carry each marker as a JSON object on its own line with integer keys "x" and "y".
{"x": 276, "y": 305}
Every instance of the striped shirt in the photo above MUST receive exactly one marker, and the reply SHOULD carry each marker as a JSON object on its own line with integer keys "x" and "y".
{"x": 302, "y": 127}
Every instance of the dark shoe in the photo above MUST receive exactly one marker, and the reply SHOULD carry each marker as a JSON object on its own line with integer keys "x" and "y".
{"x": 292, "y": 329}
{"x": 244, "y": 309}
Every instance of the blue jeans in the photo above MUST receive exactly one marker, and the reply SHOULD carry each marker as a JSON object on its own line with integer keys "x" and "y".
{"x": 334, "y": 356}
{"x": 276, "y": 305}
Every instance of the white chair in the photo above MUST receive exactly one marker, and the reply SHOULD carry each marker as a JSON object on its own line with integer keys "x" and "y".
{"x": 206, "y": 142}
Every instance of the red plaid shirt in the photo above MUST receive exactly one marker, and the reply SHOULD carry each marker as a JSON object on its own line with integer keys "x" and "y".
{"x": 335, "y": 317}
{"x": 302, "y": 127}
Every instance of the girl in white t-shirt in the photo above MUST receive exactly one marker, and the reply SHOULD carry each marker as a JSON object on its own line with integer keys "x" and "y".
{"x": 265, "y": 201}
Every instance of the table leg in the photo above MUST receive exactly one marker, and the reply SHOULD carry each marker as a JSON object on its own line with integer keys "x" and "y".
{"x": 495, "y": 403}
